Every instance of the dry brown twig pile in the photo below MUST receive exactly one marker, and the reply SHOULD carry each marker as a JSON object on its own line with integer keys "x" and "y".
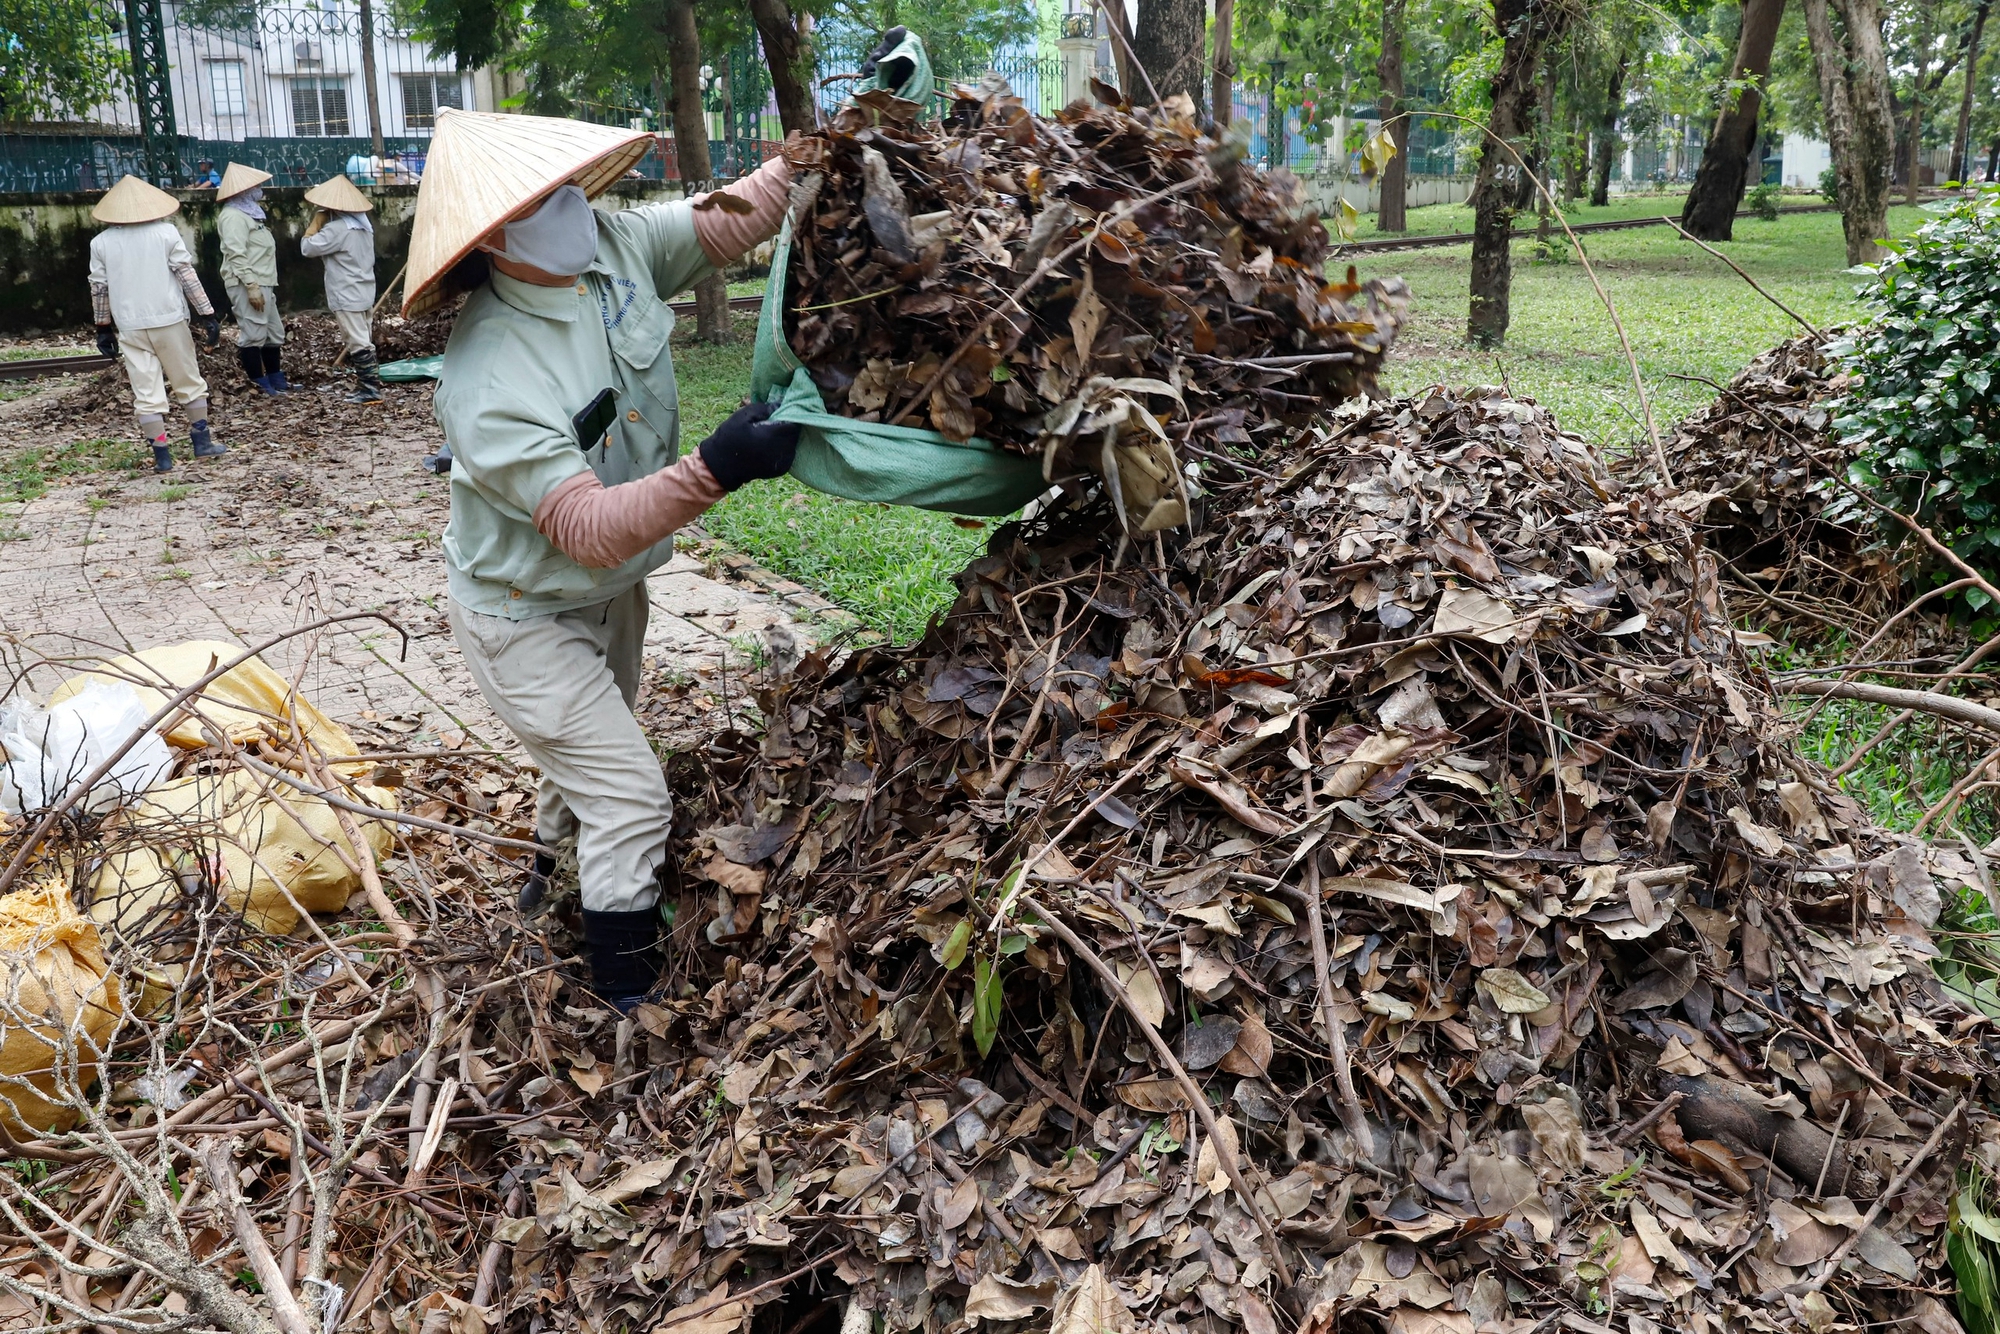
{"x": 1400, "y": 909}
{"x": 1754, "y": 465}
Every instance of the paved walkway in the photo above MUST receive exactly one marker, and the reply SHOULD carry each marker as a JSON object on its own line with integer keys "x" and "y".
{"x": 282, "y": 533}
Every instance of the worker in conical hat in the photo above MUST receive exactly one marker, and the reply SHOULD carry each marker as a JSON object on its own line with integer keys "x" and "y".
{"x": 250, "y": 275}
{"x": 142, "y": 281}
{"x": 557, "y": 398}
{"x": 341, "y": 234}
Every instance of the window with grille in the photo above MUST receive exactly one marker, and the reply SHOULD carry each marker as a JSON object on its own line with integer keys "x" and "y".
{"x": 319, "y": 107}
{"x": 225, "y": 85}
{"x": 425, "y": 94}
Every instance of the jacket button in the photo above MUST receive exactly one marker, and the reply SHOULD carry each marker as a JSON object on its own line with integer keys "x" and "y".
{"x": 514, "y": 593}
{"x": 581, "y": 290}
{"x": 632, "y": 415}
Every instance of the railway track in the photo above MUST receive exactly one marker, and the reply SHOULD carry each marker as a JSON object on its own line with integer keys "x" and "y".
{"x": 1580, "y": 228}
{"x": 30, "y": 368}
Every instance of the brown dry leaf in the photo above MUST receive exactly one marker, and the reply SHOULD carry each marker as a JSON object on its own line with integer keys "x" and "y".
{"x": 1253, "y": 1050}
{"x": 1090, "y": 1305}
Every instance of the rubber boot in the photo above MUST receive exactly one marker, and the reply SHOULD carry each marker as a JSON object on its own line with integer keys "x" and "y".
{"x": 535, "y": 888}
{"x": 624, "y": 955}
{"x": 274, "y": 374}
{"x": 367, "y": 377}
{"x": 253, "y": 369}
{"x": 163, "y": 459}
{"x": 153, "y": 430}
{"x": 204, "y": 443}
{"x": 440, "y": 462}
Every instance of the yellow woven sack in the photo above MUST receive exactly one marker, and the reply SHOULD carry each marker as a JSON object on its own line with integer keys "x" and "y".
{"x": 249, "y": 702}
{"x": 257, "y": 847}
{"x": 55, "y": 999}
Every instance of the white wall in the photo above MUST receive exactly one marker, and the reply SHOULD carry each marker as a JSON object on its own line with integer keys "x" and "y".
{"x": 1805, "y": 159}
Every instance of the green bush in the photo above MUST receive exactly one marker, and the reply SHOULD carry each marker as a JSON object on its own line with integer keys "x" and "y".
{"x": 1763, "y": 201}
{"x": 1829, "y": 186}
{"x": 1922, "y": 411}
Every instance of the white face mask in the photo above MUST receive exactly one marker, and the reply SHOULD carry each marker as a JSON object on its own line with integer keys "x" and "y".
{"x": 560, "y": 237}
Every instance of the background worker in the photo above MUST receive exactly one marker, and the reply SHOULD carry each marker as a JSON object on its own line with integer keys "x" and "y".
{"x": 142, "y": 281}
{"x": 342, "y": 236}
{"x": 559, "y": 403}
{"x": 250, "y": 275}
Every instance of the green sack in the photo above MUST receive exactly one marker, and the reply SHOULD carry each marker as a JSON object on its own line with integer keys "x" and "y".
{"x": 412, "y": 370}
{"x": 870, "y": 461}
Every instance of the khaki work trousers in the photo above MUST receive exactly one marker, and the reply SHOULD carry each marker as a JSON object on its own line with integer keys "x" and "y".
{"x": 356, "y": 329}
{"x": 565, "y": 684}
{"x": 156, "y": 359}
{"x": 256, "y": 328}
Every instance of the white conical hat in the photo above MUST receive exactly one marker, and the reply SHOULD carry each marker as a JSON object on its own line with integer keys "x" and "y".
{"x": 132, "y": 200}
{"x": 484, "y": 167}
{"x": 237, "y": 178}
{"x": 340, "y": 195}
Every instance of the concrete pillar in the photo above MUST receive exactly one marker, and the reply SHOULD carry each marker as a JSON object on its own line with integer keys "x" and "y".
{"x": 1078, "y": 45}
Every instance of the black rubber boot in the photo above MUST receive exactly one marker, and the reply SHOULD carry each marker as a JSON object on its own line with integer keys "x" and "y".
{"x": 535, "y": 888}
{"x": 204, "y": 443}
{"x": 274, "y": 374}
{"x": 253, "y": 368}
{"x": 367, "y": 377}
{"x": 624, "y": 955}
{"x": 440, "y": 462}
{"x": 163, "y": 459}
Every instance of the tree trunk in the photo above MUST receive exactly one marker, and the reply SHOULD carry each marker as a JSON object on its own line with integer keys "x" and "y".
{"x": 1576, "y": 159}
{"x": 1224, "y": 83}
{"x": 1168, "y": 44}
{"x": 1961, "y": 142}
{"x": 1854, "y": 99}
{"x": 1546, "y": 153}
{"x": 683, "y": 38}
{"x": 1607, "y": 132}
{"x": 1993, "y": 160}
{"x": 788, "y": 51}
{"x": 1392, "y": 215}
{"x": 1527, "y": 27}
{"x": 1710, "y": 211}
{"x": 371, "y": 91}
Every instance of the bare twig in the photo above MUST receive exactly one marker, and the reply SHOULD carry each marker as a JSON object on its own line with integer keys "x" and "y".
{"x": 1804, "y": 323}
{"x": 1191, "y": 1090}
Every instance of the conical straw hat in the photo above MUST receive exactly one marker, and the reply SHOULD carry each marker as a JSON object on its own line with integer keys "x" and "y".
{"x": 340, "y": 195}
{"x": 237, "y": 178}
{"x": 484, "y": 167}
{"x": 132, "y": 200}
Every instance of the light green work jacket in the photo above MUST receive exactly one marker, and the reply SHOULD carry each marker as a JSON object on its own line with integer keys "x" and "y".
{"x": 249, "y": 251}
{"x": 522, "y": 362}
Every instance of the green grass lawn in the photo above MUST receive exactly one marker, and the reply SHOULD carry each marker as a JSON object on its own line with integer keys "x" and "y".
{"x": 1685, "y": 312}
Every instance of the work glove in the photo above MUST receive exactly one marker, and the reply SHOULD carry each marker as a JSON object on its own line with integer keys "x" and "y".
{"x": 748, "y": 447}
{"x": 107, "y": 341}
{"x": 320, "y": 219}
{"x": 256, "y": 296}
{"x": 211, "y": 330}
{"x": 890, "y": 41}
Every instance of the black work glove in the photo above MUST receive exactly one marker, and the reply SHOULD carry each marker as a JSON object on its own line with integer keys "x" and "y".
{"x": 748, "y": 447}
{"x": 107, "y": 341}
{"x": 890, "y": 41}
{"x": 211, "y": 330}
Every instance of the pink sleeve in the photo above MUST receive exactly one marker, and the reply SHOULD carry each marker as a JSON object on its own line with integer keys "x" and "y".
{"x": 603, "y": 527}
{"x": 726, "y": 237}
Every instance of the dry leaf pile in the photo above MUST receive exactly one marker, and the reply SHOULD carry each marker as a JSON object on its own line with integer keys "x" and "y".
{"x": 1399, "y": 910}
{"x": 1112, "y": 274}
{"x": 1754, "y": 464}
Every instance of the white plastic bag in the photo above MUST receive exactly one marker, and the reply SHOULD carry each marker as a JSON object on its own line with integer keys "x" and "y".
{"x": 49, "y": 750}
